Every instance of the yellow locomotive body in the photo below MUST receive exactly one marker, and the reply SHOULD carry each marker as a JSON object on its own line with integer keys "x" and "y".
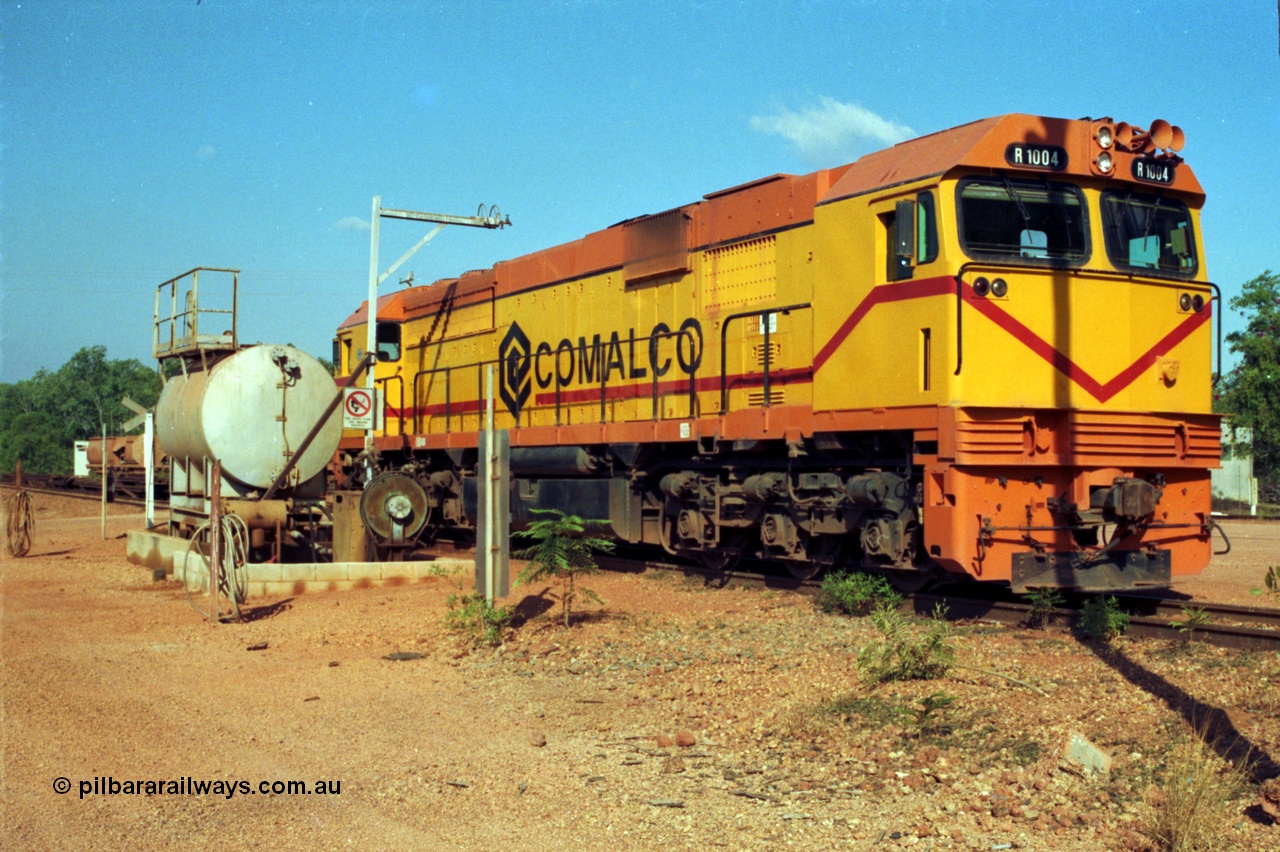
{"x": 986, "y": 352}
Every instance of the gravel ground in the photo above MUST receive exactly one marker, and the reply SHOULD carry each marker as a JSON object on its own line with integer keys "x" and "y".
{"x": 672, "y": 716}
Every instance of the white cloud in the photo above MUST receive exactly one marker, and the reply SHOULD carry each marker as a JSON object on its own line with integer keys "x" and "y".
{"x": 832, "y": 132}
{"x": 351, "y": 223}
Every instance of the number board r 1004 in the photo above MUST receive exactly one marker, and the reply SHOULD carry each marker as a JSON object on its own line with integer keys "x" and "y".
{"x": 1024, "y": 156}
{"x": 1153, "y": 171}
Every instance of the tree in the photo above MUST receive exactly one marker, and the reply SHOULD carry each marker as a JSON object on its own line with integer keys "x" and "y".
{"x": 39, "y": 439}
{"x": 1251, "y": 390}
{"x": 42, "y": 416}
{"x": 561, "y": 550}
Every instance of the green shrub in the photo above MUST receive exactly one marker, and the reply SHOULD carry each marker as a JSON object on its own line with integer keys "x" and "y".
{"x": 1102, "y": 619}
{"x": 562, "y": 550}
{"x": 1272, "y": 580}
{"x": 1192, "y": 619}
{"x": 1043, "y": 604}
{"x": 911, "y": 650}
{"x": 478, "y": 619}
{"x": 855, "y": 594}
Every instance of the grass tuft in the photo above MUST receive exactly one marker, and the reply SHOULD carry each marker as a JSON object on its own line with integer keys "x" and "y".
{"x": 1191, "y": 809}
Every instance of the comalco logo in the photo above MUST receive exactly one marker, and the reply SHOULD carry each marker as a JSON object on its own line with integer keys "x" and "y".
{"x": 514, "y": 359}
{"x": 596, "y": 362}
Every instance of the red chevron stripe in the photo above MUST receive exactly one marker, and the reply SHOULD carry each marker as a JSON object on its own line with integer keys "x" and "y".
{"x": 1099, "y": 391}
{"x": 992, "y": 310}
{"x": 882, "y": 295}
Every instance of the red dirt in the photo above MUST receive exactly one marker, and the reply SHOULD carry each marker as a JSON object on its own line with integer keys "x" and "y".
{"x": 571, "y": 738}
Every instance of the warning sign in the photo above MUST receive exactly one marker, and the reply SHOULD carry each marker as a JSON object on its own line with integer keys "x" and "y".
{"x": 360, "y": 407}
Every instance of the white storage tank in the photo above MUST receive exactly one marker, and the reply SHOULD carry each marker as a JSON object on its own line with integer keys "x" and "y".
{"x": 252, "y": 411}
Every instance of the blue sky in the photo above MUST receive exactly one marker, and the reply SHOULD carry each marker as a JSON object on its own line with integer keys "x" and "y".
{"x": 141, "y": 139}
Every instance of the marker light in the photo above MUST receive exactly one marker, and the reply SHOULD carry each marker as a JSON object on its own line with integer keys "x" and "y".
{"x": 1198, "y": 303}
{"x": 1104, "y": 162}
{"x": 999, "y": 288}
{"x": 1184, "y": 302}
{"x": 981, "y": 287}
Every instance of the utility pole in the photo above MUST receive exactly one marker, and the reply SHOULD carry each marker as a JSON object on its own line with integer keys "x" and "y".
{"x": 490, "y": 219}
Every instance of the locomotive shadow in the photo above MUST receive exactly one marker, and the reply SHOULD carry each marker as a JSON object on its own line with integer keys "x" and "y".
{"x": 1210, "y": 723}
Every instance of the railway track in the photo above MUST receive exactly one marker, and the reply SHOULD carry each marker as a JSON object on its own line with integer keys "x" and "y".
{"x": 1237, "y": 627}
{"x": 1243, "y": 628}
{"x": 122, "y": 486}
{"x": 35, "y": 487}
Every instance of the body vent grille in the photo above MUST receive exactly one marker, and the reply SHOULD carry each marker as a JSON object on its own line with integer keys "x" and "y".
{"x": 755, "y": 399}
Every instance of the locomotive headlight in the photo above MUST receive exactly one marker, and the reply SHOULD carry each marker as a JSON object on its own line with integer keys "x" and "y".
{"x": 1198, "y": 303}
{"x": 981, "y": 287}
{"x": 999, "y": 288}
{"x": 1104, "y": 162}
{"x": 1184, "y": 302}
{"x": 1104, "y": 136}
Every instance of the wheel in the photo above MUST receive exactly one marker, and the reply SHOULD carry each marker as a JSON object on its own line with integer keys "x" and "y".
{"x": 804, "y": 570}
{"x": 718, "y": 560}
{"x": 909, "y": 582}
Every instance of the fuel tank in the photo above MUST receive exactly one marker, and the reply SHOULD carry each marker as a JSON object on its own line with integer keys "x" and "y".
{"x": 251, "y": 410}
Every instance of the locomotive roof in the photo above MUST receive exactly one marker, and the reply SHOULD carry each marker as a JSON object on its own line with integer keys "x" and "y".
{"x": 981, "y": 144}
{"x": 763, "y": 206}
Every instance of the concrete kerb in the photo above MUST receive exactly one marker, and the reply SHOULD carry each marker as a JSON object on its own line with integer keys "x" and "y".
{"x": 155, "y": 550}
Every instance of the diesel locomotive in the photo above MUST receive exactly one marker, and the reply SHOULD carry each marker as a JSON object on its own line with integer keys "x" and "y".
{"x": 986, "y": 352}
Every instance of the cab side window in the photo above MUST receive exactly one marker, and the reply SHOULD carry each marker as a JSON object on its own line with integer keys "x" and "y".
{"x": 912, "y": 235}
{"x": 388, "y": 341}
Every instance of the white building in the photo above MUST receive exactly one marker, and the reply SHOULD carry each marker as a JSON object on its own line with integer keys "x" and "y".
{"x": 1234, "y": 485}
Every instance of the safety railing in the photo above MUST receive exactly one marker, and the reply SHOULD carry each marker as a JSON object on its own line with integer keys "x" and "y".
{"x": 1131, "y": 276}
{"x": 179, "y": 331}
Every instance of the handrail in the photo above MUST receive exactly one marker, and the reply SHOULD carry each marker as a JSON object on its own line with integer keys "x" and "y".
{"x": 959, "y": 277}
{"x": 1217, "y": 376}
{"x": 190, "y": 340}
{"x": 384, "y": 381}
{"x": 724, "y": 333}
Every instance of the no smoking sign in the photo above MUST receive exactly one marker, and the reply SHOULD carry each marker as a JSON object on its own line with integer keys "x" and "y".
{"x": 360, "y": 408}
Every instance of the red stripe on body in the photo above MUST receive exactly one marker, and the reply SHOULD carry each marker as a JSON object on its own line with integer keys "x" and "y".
{"x": 883, "y": 294}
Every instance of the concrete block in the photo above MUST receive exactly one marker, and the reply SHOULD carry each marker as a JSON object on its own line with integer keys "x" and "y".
{"x": 332, "y": 571}
{"x": 152, "y": 549}
{"x": 297, "y": 572}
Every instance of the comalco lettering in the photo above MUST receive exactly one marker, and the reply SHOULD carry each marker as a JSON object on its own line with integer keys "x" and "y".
{"x": 595, "y": 360}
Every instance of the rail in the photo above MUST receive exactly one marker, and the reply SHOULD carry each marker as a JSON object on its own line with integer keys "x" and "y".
{"x": 681, "y": 334}
{"x": 724, "y": 336}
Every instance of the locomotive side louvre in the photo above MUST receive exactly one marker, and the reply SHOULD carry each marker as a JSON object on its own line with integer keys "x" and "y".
{"x": 977, "y": 351}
